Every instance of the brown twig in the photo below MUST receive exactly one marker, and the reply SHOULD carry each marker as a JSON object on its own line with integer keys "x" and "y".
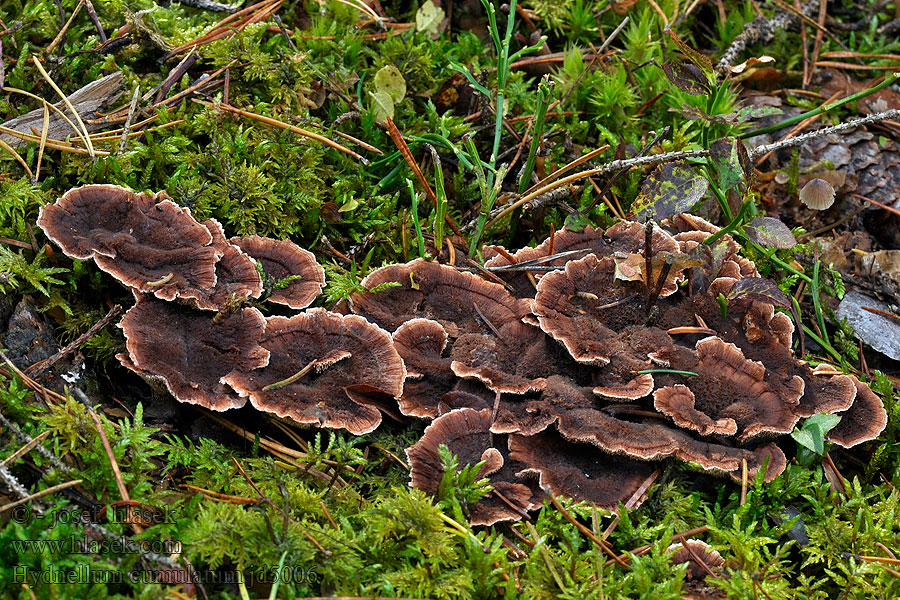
{"x": 583, "y": 529}
{"x": 24, "y": 449}
{"x": 40, "y": 494}
{"x": 402, "y": 146}
{"x": 745, "y": 481}
{"x": 41, "y": 366}
{"x": 878, "y": 204}
{"x": 226, "y": 498}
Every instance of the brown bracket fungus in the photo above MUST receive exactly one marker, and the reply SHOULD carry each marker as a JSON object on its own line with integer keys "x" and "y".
{"x": 460, "y": 302}
{"x": 578, "y": 471}
{"x": 863, "y": 421}
{"x": 722, "y": 384}
{"x": 420, "y": 343}
{"x": 627, "y": 237}
{"x": 146, "y": 241}
{"x": 730, "y": 386}
{"x": 324, "y": 369}
{"x": 466, "y": 433}
{"x": 283, "y": 259}
{"x": 488, "y": 339}
{"x": 678, "y": 402}
{"x": 236, "y": 273}
{"x": 193, "y": 352}
{"x": 560, "y": 305}
{"x": 607, "y": 361}
{"x": 652, "y": 439}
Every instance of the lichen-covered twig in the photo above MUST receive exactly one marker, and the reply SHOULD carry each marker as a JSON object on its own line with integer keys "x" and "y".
{"x": 802, "y": 139}
{"x": 761, "y": 30}
{"x": 656, "y": 159}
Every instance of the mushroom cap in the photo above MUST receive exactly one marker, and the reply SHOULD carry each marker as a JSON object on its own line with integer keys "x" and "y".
{"x": 732, "y": 386}
{"x": 827, "y": 394}
{"x": 578, "y": 419}
{"x": 762, "y": 321}
{"x": 236, "y": 273}
{"x": 863, "y": 421}
{"x": 678, "y": 402}
{"x": 193, "y": 352}
{"x": 654, "y": 440}
{"x": 323, "y": 368}
{"x": 626, "y": 237}
{"x": 144, "y": 240}
{"x": 420, "y": 343}
{"x": 567, "y": 303}
{"x": 578, "y": 471}
{"x": 466, "y": 433}
{"x": 689, "y": 551}
{"x": 461, "y": 302}
{"x": 636, "y": 388}
{"x": 512, "y": 366}
{"x": 281, "y": 259}
{"x": 530, "y": 415}
{"x": 817, "y": 194}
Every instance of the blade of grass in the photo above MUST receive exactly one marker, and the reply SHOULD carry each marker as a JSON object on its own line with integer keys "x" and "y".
{"x": 45, "y": 129}
{"x": 814, "y": 290}
{"x": 537, "y": 136}
{"x": 420, "y": 240}
{"x": 65, "y": 99}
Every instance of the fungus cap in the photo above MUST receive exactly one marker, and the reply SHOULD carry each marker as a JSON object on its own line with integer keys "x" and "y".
{"x": 466, "y": 432}
{"x": 193, "y": 352}
{"x": 420, "y": 343}
{"x": 145, "y": 241}
{"x": 817, "y": 194}
{"x": 236, "y": 273}
{"x": 578, "y": 471}
{"x": 281, "y": 259}
{"x": 323, "y": 368}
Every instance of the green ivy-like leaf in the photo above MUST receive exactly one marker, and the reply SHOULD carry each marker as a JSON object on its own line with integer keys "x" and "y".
{"x": 687, "y": 78}
{"x": 769, "y": 231}
{"x": 382, "y": 106}
{"x": 670, "y": 189}
{"x": 732, "y": 163}
{"x": 390, "y": 80}
{"x": 429, "y": 18}
{"x": 758, "y": 288}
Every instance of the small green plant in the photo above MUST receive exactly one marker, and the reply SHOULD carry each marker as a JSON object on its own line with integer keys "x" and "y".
{"x": 810, "y": 437}
{"x": 460, "y": 487}
{"x": 20, "y": 275}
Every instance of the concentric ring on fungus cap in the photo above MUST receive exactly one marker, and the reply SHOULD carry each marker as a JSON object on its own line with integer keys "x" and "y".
{"x": 192, "y": 352}
{"x": 325, "y": 369}
{"x": 281, "y": 259}
{"x": 146, "y": 241}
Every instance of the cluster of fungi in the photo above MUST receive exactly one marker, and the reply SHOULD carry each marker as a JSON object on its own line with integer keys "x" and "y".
{"x": 573, "y": 367}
